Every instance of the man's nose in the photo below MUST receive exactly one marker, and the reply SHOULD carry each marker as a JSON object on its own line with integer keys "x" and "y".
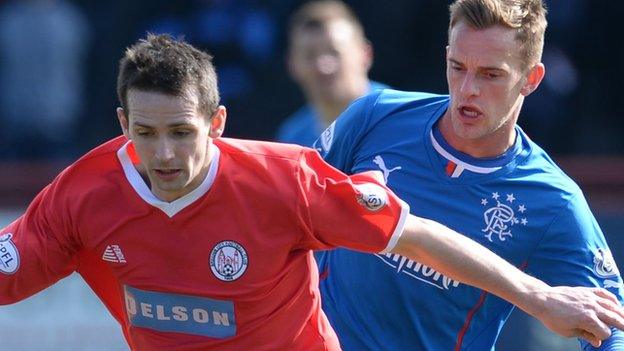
{"x": 470, "y": 85}
{"x": 165, "y": 149}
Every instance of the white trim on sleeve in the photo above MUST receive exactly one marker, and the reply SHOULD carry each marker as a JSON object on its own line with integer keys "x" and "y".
{"x": 398, "y": 230}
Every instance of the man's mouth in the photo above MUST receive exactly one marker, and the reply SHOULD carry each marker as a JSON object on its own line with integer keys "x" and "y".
{"x": 167, "y": 174}
{"x": 469, "y": 112}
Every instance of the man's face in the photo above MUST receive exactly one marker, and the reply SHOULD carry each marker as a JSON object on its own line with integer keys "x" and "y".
{"x": 487, "y": 82}
{"x": 330, "y": 63}
{"x": 172, "y": 140}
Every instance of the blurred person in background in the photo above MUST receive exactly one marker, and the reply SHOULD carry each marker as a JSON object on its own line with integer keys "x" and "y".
{"x": 176, "y": 178}
{"x": 43, "y": 45}
{"x": 461, "y": 159}
{"x": 329, "y": 58}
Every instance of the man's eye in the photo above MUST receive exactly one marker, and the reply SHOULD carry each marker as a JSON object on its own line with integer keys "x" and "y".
{"x": 181, "y": 133}
{"x": 144, "y": 133}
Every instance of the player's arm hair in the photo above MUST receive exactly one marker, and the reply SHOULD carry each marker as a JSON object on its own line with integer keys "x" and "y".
{"x": 463, "y": 259}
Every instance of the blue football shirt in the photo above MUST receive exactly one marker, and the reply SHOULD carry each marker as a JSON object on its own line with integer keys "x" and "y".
{"x": 519, "y": 205}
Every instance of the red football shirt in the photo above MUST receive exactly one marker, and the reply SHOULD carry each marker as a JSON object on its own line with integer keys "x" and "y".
{"x": 226, "y": 267}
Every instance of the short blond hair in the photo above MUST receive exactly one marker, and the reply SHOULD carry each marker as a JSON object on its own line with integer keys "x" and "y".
{"x": 527, "y": 17}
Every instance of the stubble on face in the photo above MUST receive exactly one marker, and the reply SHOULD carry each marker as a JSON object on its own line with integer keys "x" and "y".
{"x": 171, "y": 139}
{"x": 485, "y": 75}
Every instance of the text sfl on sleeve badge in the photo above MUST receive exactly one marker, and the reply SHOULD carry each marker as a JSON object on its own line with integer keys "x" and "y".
{"x": 9, "y": 256}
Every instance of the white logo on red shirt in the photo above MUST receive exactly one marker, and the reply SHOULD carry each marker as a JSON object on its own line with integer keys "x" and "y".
{"x": 113, "y": 254}
{"x": 371, "y": 196}
{"x": 9, "y": 256}
{"x": 228, "y": 261}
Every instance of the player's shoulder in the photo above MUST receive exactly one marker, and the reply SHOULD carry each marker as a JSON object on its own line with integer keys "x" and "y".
{"x": 388, "y": 105}
{"x": 257, "y": 149}
{"x": 383, "y": 103}
{"x": 413, "y": 98}
{"x": 272, "y": 162}
{"x": 90, "y": 172}
{"x": 102, "y": 158}
{"x": 540, "y": 168}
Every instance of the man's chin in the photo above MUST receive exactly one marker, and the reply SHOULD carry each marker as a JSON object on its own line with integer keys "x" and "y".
{"x": 174, "y": 185}
{"x": 468, "y": 131}
{"x": 168, "y": 192}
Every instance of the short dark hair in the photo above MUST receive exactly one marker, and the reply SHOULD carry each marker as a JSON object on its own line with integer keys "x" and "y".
{"x": 315, "y": 14}
{"x": 170, "y": 66}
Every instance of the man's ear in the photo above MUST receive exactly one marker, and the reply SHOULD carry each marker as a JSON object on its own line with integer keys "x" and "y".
{"x": 533, "y": 79}
{"x": 123, "y": 121}
{"x": 217, "y": 122}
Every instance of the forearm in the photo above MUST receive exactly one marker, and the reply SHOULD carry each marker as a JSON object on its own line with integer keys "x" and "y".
{"x": 463, "y": 259}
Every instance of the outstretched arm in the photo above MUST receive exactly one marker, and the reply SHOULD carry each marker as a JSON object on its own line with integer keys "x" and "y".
{"x": 569, "y": 311}
{"x": 33, "y": 252}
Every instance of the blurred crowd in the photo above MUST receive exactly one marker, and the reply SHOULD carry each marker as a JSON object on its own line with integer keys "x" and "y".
{"x": 58, "y": 61}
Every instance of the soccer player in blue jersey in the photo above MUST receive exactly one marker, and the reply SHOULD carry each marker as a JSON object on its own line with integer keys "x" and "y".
{"x": 329, "y": 57}
{"x": 462, "y": 160}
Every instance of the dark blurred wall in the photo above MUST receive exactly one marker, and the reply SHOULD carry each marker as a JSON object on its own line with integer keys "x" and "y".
{"x": 576, "y": 110}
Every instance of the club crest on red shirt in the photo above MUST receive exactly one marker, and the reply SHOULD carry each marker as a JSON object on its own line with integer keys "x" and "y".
{"x": 228, "y": 260}
{"x": 371, "y": 196}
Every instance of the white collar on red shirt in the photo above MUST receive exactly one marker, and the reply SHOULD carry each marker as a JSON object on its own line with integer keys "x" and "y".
{"x": 169, "y": 208}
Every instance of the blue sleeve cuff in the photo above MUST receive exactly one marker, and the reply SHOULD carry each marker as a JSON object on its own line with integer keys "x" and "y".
{"x": 614, "y": 343}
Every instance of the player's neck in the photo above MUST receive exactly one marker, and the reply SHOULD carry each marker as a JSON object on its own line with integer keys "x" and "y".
{"x": 328, "y": 112}
{"x": 171, "y": 196}
{"x": 488, "y": 146}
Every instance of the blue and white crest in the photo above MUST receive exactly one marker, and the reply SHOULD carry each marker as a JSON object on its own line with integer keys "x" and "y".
{"x": 9, "y": 256}
{"x": 500, "y": 218}
{"x": 604, "y": 264}
{"x": 228, "y": 260}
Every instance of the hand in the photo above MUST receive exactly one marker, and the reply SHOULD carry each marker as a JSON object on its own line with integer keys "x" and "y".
{"x": 581, "y": 312}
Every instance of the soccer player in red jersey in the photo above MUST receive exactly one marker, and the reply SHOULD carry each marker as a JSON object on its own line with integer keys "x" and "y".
{"x": 197, "y": 242}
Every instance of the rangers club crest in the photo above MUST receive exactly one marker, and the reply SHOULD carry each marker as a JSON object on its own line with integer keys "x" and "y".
{"x": 228, "y": 261}
{"x": 371, "y": 196}
{"x": 501, "y": 217}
